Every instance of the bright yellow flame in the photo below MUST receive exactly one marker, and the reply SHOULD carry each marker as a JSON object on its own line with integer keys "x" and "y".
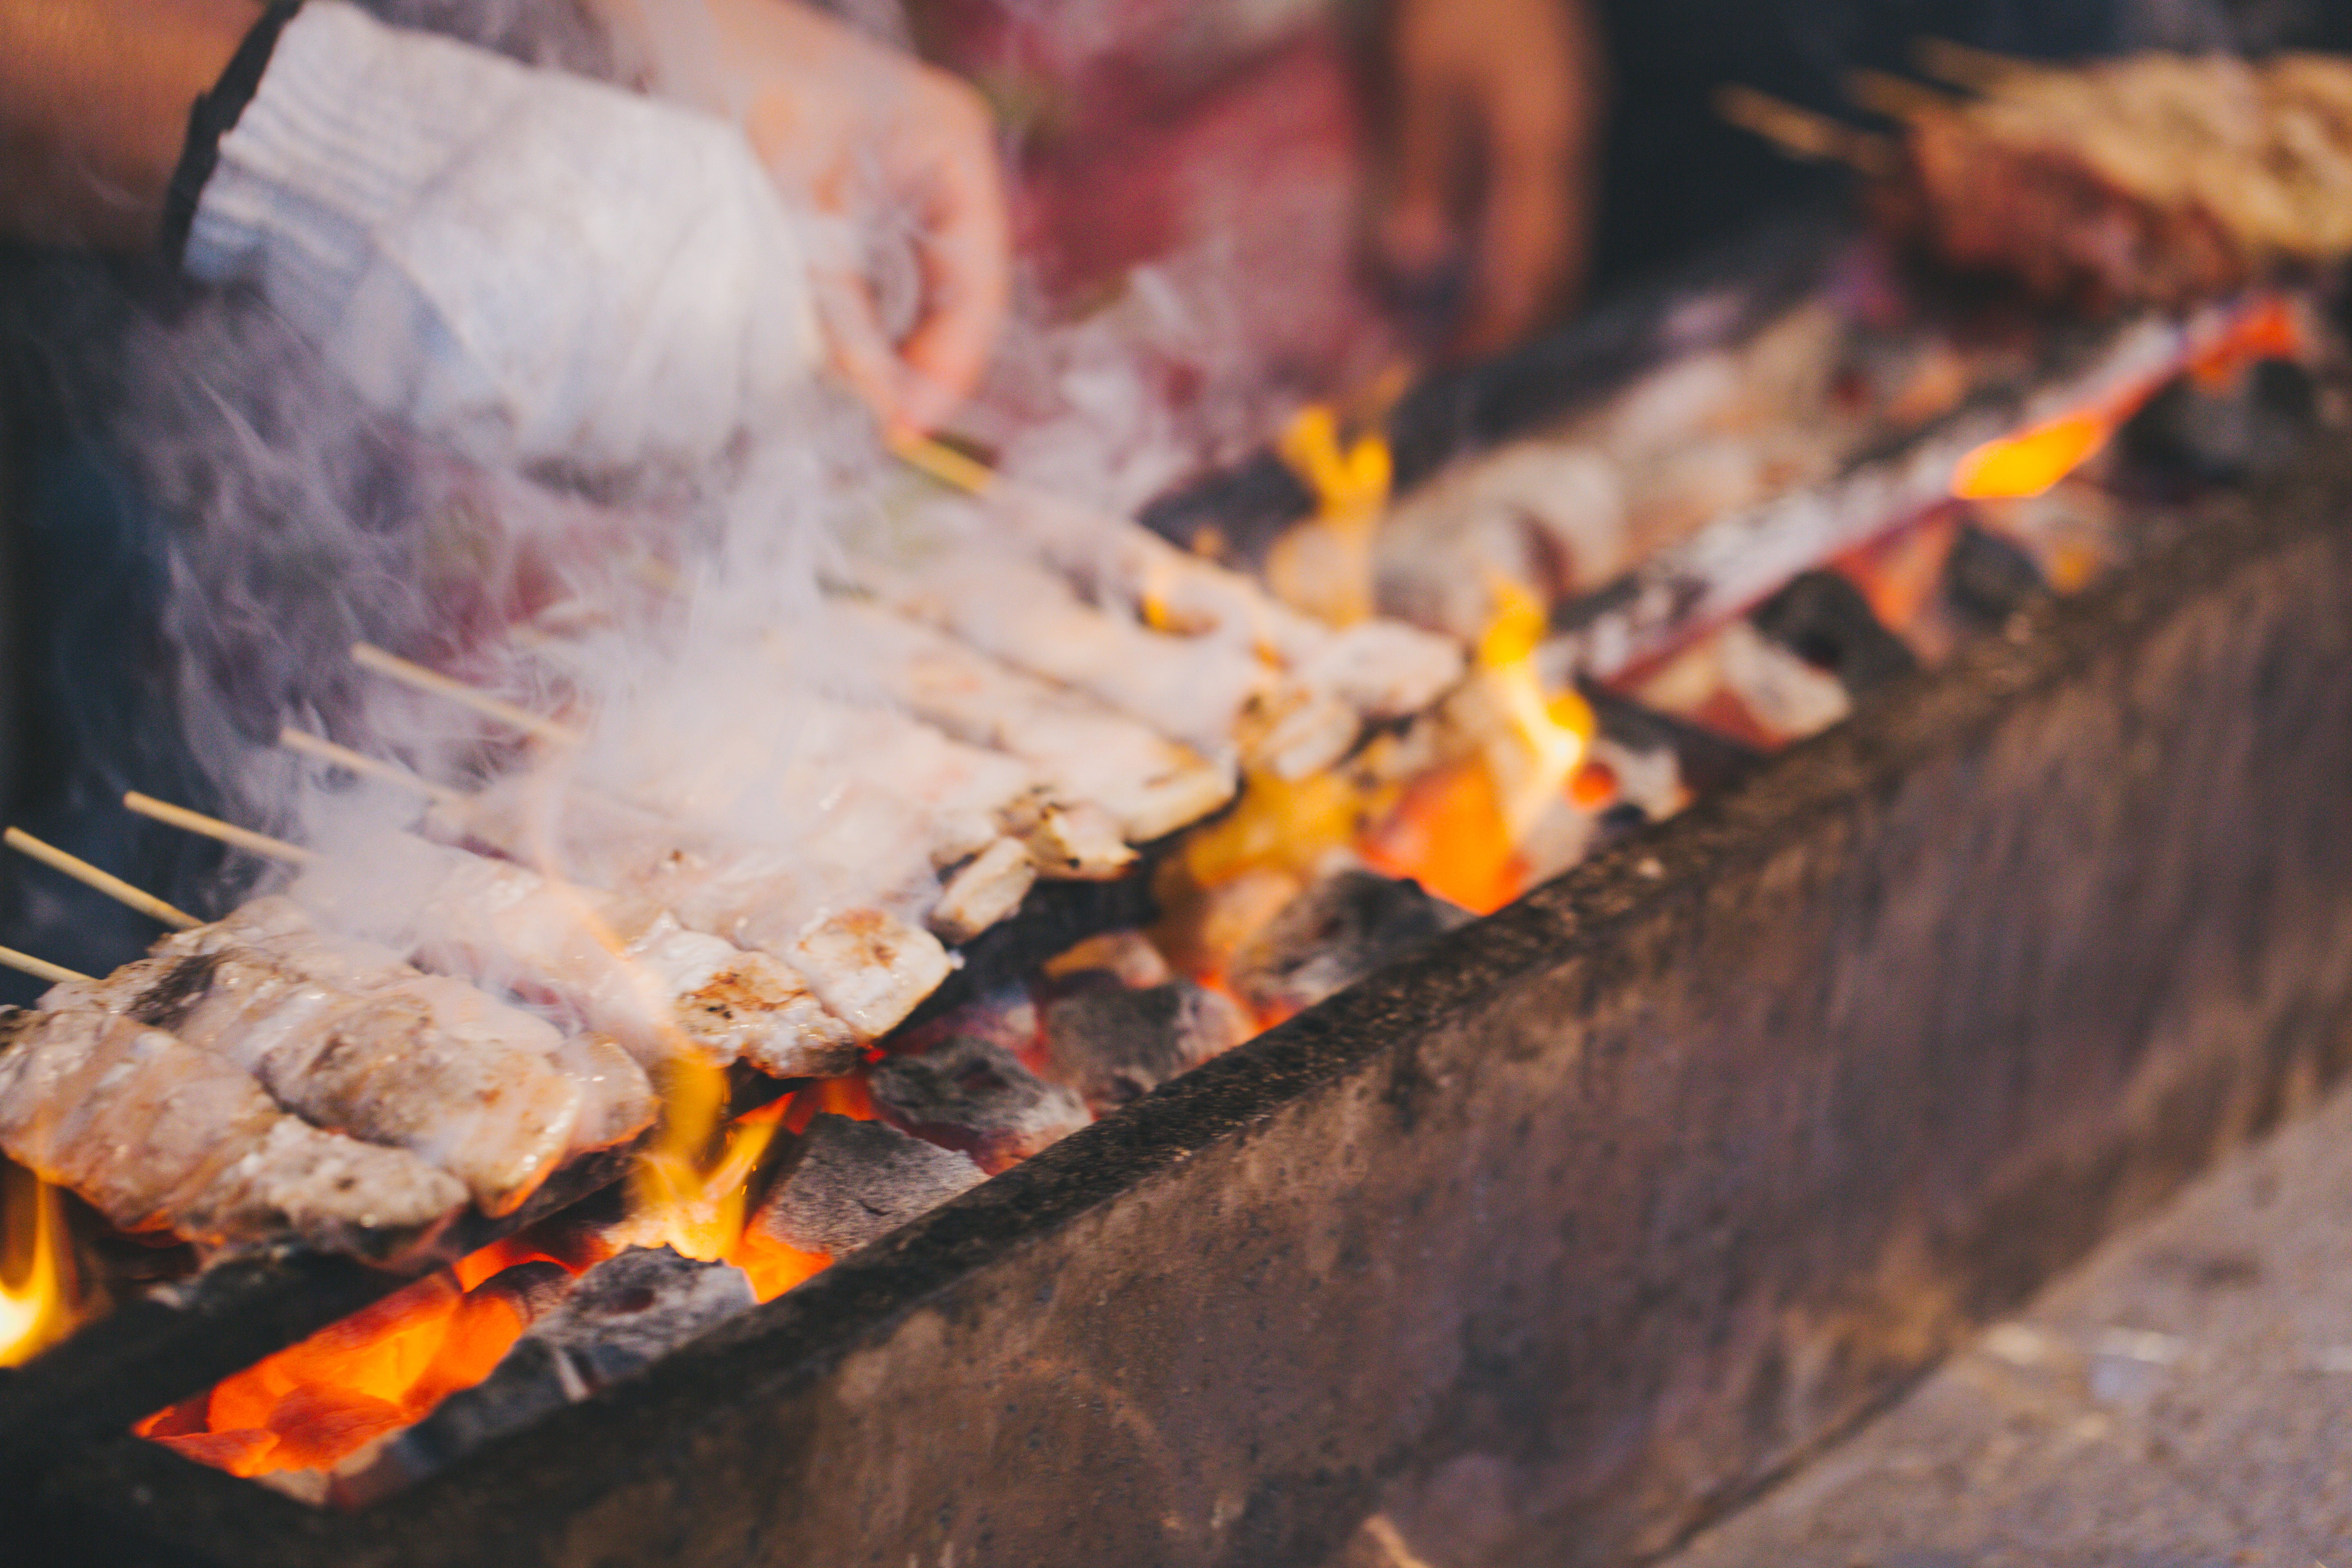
{"x": 1348, "y": 481}
{"x": 1545, "y": 738}
{"x": 1324, "y": 566}
{"x": 1289, "y": 824}
{"x": 691, "y": 1185}
{"x": 2021, "y": 466}
{"x": 36, "y": 1276}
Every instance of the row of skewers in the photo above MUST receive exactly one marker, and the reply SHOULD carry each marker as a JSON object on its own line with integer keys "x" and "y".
{"x": 449, "y": 1017}
{"x": 2155, "y": 179}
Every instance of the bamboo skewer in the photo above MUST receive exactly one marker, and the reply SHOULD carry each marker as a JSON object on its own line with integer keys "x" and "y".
{"x": 38, "y": 968}
{"x": 1897, "y": 98}
{"x": 415, "y": 677}
{"x": 106, "y": 882}
{"x": 1978, "y": 71}
{"x": 955, "y": 470}
{"x": 326, "y": 751}
{"x": 228, "y": 833}
{"x": 1802, "y": 134}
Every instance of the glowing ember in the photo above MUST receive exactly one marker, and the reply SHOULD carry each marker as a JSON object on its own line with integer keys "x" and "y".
{"x": 36, "y": 1273}
{"x": 316, "y": 1403}
{"x": 2028, "y": 464}
{"x": 1448, "y": 835}
{"x": 2017, "y": 467}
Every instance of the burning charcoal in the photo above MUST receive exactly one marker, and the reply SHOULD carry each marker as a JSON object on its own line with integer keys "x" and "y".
{"x": 1988, "y": 577}
{"x": 1334, "y": 935}
{"x": 1704, "y": 760}
{"x": 620, "y": 1318}
{"x": 2190, "y": 432}
{"x": 1824, "y": 620}
{"x": 533, "y": 1289}
{"x": 629, "y": 1311}
{"x": 850, "y": 1182}
{"x": 974, "y": 1094}
{"x": 1115, "y": 1045}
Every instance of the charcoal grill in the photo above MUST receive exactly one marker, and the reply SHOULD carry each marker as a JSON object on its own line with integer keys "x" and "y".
{"x": 1546, "y": 1244}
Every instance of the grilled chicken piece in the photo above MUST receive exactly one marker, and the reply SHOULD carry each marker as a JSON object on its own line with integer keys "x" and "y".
{"x": 617, "y": 1101}
{"x": 157, "y": 1135}
{"x": 621, "y": 966}
{"x": 1382, "y": 669}
{"x": 349, "y": 1037}
{"x": 1148, "y": 786}
{"x": 1214, "y": 693}
{"x": 815, "y": 906}
{"x": 986, "y": 889}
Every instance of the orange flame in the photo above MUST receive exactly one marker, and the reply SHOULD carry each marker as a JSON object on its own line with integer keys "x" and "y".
{"x": 2019, "y": 467}
{"x": 316, "y": 1403}
{"x": 37, "y": 1305}
{"x": 2029, "y": 463}
{"x": 1458, "y": 830}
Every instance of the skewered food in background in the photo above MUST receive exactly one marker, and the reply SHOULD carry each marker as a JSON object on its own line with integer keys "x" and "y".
{"x": 1086, "y": 751}
{"x": 1381, "y": 669}
{"x": 157, "y": 1135}
{"x": 2159, "y": 178}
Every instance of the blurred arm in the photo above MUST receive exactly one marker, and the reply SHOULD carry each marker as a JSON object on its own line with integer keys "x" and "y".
{"x": 94, "y": 100}
{"x": 1490, "y": 114}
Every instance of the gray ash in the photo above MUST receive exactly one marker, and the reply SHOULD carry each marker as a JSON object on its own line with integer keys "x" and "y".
{"x": 1113, "y": 1045}
{"x": 973, "y": 1094}
{"x": 1334, "y": 935}
{"x": 851, "y": 1182}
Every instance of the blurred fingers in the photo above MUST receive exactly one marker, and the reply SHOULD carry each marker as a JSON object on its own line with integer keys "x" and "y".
{"x": 966, "y": 253}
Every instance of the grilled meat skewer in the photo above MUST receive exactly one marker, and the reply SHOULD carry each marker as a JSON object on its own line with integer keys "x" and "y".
{"x": 348, "y": 1037}
{"x": 1085, "y": 750}
{"x": 157, "y": 1135}
{"x": 621, "y": 966}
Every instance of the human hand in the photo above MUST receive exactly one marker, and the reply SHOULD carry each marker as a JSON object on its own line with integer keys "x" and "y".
{"x": 533, "y": 268}
{"x": 893, "y": 149}
{"x": 1489, "y": 115}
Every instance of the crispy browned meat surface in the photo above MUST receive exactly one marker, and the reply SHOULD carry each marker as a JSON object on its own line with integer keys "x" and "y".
{"x": 349, "y": 1037}
{"x": 159, "y": 1135}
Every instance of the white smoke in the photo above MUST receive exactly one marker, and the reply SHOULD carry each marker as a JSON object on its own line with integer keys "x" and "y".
{"x": 672, "y": 631}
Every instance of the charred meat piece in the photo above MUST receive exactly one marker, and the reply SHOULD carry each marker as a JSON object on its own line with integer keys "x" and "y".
{"x": 1213, "y": 694}
{"x": 1381, "y": 670}
{"x": 974, "y": 1094}
{"x": 159, "y": 1135}
{"x": 1113, "y": 1045}
{"x": 983, "y": 890}
{"x": 1334, "y": 933}
{"x": 390, "y": 1069}
{"x": 850, "y": 1182}
{"x": 617, "y": 1100}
